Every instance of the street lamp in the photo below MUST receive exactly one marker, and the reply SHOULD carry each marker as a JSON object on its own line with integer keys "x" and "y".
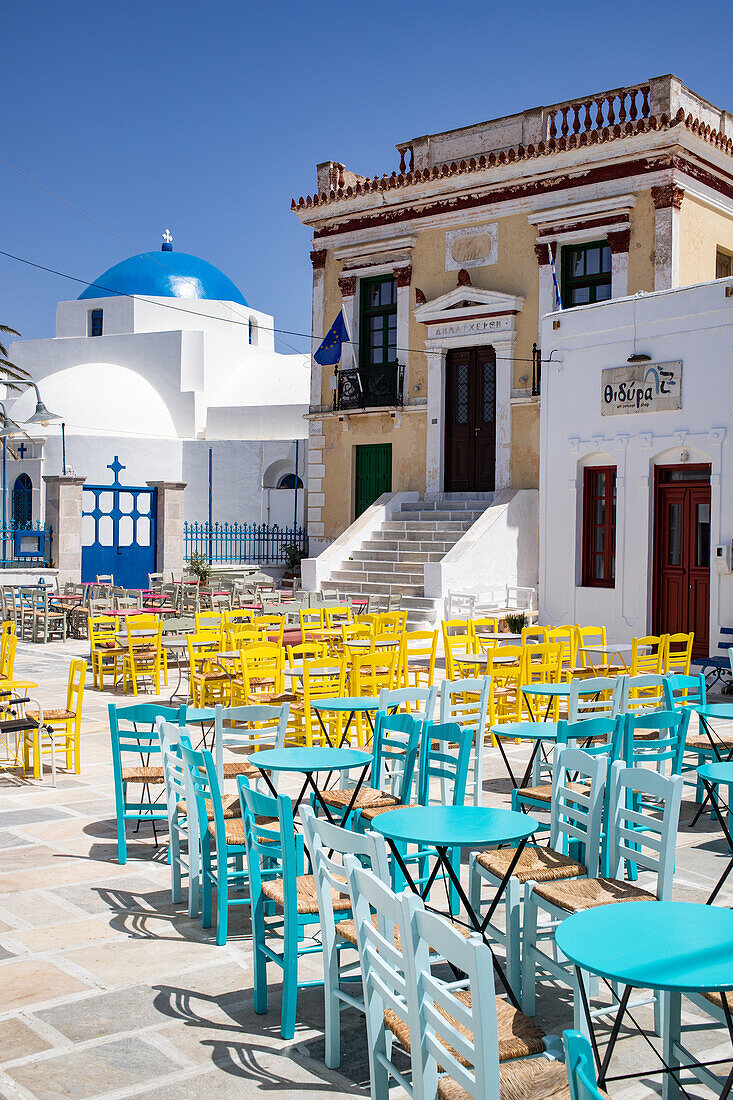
{"x": 41, "y": 415}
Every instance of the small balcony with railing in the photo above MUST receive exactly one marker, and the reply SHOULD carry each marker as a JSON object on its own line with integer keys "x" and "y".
{"x": 371, "y": 387}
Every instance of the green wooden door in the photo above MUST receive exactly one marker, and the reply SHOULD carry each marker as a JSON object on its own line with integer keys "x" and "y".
{"x": 373, "y": 474}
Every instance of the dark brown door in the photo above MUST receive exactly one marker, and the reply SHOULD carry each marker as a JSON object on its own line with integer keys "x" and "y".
{"x": 470, "y": 420}
{"x": 682, "y": 553}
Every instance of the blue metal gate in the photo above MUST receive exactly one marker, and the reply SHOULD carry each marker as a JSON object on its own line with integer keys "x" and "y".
{"x": 118, "y": 531}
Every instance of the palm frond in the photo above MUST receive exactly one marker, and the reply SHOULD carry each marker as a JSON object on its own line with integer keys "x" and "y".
{"x": 10, "y": 372}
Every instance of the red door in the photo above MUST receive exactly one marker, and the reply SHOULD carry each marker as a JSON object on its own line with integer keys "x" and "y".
{"x": 470, "y": 420}
{"x": 682, "y": 553}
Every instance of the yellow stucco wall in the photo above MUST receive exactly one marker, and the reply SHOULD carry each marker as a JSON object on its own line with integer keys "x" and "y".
{"x": 702, "y": 230}
{"x": 515, "y": 272}
{"x": 641, "y": 245}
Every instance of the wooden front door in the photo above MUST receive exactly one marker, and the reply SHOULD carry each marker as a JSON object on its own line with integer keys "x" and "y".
{"x": 682, "y": 553}
{"x": 373, "y": 474}
{"x": 470, "y": 420}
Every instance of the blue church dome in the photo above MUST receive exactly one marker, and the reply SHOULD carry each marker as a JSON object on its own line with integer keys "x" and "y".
{"x": 165, "y": 274}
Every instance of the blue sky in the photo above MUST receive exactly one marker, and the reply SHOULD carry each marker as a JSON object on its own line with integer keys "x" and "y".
{"x": 208, "y": 118}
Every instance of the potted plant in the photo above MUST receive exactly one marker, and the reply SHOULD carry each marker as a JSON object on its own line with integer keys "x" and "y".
{"x": 516, "y": 622}
{"x": 200, "y": 566}
{"x": 293, "y": 557}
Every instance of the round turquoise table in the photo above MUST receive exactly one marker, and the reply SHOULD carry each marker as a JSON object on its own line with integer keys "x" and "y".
{"x": 674, "y": 947}
{"x": 448, "y": 827}
{"x": 525, "y": 731}
{"x": 309, "y": 762}
{"x": 351, "y": 705}
{"x": 712, "y": 776}
{"x": 551, "y": 692}
{"x": 723, "y": 711}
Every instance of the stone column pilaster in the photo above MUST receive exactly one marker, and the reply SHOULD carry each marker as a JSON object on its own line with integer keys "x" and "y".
{"x": 63, "y": 515}
{"x": 169, "y": 527}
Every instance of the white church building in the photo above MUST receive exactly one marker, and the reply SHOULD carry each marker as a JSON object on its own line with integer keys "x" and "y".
{"x": 158, "y": 363}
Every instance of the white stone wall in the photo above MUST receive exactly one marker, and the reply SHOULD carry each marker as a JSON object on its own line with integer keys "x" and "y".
{"x": 692, "y": 324}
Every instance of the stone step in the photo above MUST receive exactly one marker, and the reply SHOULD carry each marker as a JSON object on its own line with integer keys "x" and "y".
{"x": 408, "y": 527}
{"x": 372, "y": 565}
{"x": 384, "y": 588}
{"x": 415, "y": 556}
{"x": 347, "y": 576}
{"x": 441, "y": 517}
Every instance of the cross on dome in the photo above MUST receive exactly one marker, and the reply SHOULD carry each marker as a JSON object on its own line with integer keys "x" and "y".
{"x": 167, "y": 245}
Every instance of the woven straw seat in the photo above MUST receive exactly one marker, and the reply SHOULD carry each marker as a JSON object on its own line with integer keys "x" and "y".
{"x": 347, "y": 930}
{"x": 538, "y": 864}
{"x": 142, "y": 775}
{"x": 306, "y": 894}
{"x": 201, "y": 676}
{"x": 234, "y": 831}
{"x": 368, "y": 798}
{"x": 589, "y": 893}
{"x": 543, "y": 792}
{"x": 241, "y": 767}
{"x": 717, "y": 998}
{"x": 52, "y": 715}
{"x": 700, "y": 741}
{"x": 519, "y": 1036}
{"x": 374, "y": 811}
{"x": 229, "y": 803}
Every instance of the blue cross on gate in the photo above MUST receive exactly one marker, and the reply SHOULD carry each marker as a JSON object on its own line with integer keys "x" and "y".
{"x": 115, "y": 467}
{"x": 22, "y": 449}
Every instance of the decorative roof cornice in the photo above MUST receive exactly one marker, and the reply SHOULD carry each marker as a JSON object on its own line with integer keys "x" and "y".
{"x": 516, "y": 154}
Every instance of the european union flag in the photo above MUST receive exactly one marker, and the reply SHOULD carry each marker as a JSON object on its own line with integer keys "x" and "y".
{"x": 330, "y": 350}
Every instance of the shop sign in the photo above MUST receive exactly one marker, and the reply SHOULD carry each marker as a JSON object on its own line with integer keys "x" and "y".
{"x": 641, "y": 387}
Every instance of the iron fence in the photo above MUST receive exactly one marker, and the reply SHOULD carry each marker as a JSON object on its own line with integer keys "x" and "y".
{"x": 240, "y": 543}
{"x": 24, "y": 544}
{"x": 370, "y": 388}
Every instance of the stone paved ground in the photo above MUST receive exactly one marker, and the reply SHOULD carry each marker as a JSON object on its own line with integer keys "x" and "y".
{"x": 109, "y": 990}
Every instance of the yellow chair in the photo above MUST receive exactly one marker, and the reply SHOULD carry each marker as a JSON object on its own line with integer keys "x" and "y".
{"x": 209, "y": 622}
{"x": 106, "y": 652}
{"x": 678, "y": 653}
{"x": 586, "y": 662}
{"x": 533, "y": 633}
{"x": 311, "y": 618}
{"x": 8, "y": 646}
{"x": 369, "y": 673}
{"x": 241, "y": 615}
{"x": 143, "y": 658}
{"x": 565, "y": 636}
{"x": 306, "y": 651}
{"x": 208, "y": 678}
{"x": 505, "y": 666}
{"x": 239, "y": 635}
{"x": 321, "y": 680}
{"x": 392, "y": 622}
{"x": 477, "y": 628}
{"x": 271, "y": 627}
{"x": 542, "y": 665}
{"x": 66, "y": 719}
{"x": 260, "y": 678}
{"x": 337, "y": 616}
{"x": 358, "y": 632}
{"x": 647, "y": 655}
{"x": 417, "y": 658}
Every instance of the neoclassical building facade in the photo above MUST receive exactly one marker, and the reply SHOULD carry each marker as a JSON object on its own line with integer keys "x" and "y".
{"x": 445, "y": 267}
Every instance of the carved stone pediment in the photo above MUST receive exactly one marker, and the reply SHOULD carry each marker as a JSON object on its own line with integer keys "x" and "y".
{"x": 465, "y": 301}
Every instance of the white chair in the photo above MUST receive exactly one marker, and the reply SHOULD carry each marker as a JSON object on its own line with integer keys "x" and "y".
{"x": 578, "y": 784}
{"x": 584, "y": 701}
{"x": 466, "y": 1041}
{"x": 459, "y": 605}
{"x": 397, "y": 951}
{"x": 244, "y": 729}
{"x": 419, "y": 702}
{"x": 642, "y": 693}
{"x": 179, "y": 842}
{"x": 467, "y": 702}
{"x": 324, "y": 841}
{"x": 639, "y": 836}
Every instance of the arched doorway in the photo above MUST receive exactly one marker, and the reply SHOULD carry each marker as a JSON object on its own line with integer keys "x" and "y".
{"x": 22, "y": 509}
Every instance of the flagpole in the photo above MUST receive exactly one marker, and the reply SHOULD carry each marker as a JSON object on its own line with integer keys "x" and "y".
{"x": 554, "y": 275}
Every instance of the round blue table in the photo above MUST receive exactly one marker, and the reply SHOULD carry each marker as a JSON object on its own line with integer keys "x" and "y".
{"x": 712, "y": 776}
{"x": 715, "y": 710}
{"x": 309, "y": 761}
{"x": 675, "y": 947}
{"x": 525, "y": 731}
{"x": 348, "y": 704}
{"x": 447, "y": 827}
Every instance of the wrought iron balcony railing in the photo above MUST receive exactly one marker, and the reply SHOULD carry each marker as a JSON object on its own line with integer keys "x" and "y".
{"x": 369, "y": 388}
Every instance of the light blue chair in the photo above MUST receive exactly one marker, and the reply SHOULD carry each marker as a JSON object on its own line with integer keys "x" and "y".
{"x": 681, "y": 692}
{"x": 419, "y": 702}
{"x": 136, "y": 759}
{"x": 223, "y": 863}
{"x": 578, "y": 791}
{"x": 275, "y": 860}
{"x": 244, "y": 730}
{"x": 580, "y": 1067}
{"x": 328, "y": 846}
{"x": 183, "y": 855}
{"x": 467, "y": 703}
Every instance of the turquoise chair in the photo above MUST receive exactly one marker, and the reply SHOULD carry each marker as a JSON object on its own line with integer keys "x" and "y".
{"x": 134, "y": 744}
{"x": 223, "y": 864}
{"x": 683, "y": 692}
{"x": 284, "y": 903}
{"x": 395, "y": 746}
{"x": 445, "y": 755}
{"x": 581, "y": 1070}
